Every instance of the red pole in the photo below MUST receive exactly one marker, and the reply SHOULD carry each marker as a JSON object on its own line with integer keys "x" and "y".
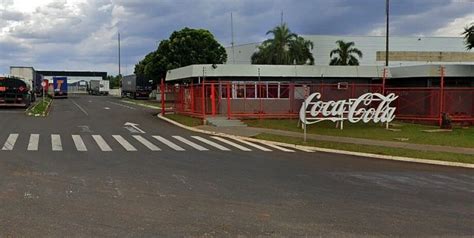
{"x": 163, "y": 97}
{"x": 192, "y": 97}
{"x": 228, "y": 101}
{"x": 213, "y": 99}
{"x": 441, "y": 96}
{"x": 203, "y": 102}
{"x": 260, "y": 94}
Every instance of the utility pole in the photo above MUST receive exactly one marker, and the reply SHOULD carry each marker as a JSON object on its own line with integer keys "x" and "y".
{"x": 232, "y": 32}
{"x": 387, "y": 11}
{"x": 119, "y": 63}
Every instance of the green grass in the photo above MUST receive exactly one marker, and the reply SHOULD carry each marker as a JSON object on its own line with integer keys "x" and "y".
{"x": 442, "y": 156}
{"x": 459, "y": 137}
{"x": 41, "y": 107}
{"x": 185, "y": 120}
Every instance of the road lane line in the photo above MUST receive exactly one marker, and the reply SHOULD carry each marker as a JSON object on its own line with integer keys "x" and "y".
{"x": 190, "y": 143}
{"x": 252, "y": 144}
{"x": 80, "y": 146}
{"x": 124, "y": 143}
{"x": 10, "y": 143}
{"x": 243, "y": 148}
{"x": 121, "y": 105}
{"x": 279, "y": 148}
{"x": 56, "y": 144}
{"x": 146, "y": 143}
{"x": 101, "y": 143}
{"x": 34, "y": 142}
{"x": 80, "y": 108}
{"x": 211, "y": 143}
{"x": 169, "y": 143}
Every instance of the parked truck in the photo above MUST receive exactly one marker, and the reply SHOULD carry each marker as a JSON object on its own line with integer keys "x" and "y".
{"x": 98, "y": 87}
{"x": 136, "y": 87}
{"x": 30, "y": 77}
{"x": 15, "y": 92}
{"x": 58, "y": 88}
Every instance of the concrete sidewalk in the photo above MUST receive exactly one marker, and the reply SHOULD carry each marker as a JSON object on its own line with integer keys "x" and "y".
{"x": 253, "y": 131}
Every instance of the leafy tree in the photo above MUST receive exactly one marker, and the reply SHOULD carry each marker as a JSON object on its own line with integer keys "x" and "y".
{"x": 114, "y": 81}
{"x": 183, "y": 48}
{"x": 284, "y": 48}
{"x": 345, "y": 54}
{"x": 469, "y": 36}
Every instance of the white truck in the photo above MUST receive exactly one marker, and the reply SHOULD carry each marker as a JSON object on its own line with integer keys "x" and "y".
{"x": 99, "y": 87}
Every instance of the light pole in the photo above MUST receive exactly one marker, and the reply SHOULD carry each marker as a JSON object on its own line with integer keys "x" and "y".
{"x": 387, "y": 11}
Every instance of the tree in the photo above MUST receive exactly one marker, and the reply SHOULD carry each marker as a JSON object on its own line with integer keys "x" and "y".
{"x": 345, "y": 54}
{"x": 284, "y": 48}
{"x": 183, "y": 48}
{"x": 469, "y": 36}
{"x": 114, "y": 81}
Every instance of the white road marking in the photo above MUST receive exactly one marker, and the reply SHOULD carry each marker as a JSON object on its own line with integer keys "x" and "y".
{"x": 147, "y": 143}
{"x": 80, "y": 108}
{"x": 10, "y": 143}
{"x": 101, "y": 143}
{"x": 56, "y": 144}
{"x": 125, "y": 144}
{"x": 134, "y": 126}
{"x": 80, "y": 146}
{"x": 211, "y": 143}
{"x": 169, "y": 143}
{"x": 121, "y": 105}
{"x": 252, "y": 144}
{"x": 243, "y": 148}
{"x": 34, "y": 142}
{"x": 279, "y": 148}
{"x": 190, "y": 143}
{"x": 107, "y": 108}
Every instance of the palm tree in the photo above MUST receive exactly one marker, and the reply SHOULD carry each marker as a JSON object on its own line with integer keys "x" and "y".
{"x": 284, "y": 48}
{"x": 345, "y": 54}
{"x": 469, "y": 36}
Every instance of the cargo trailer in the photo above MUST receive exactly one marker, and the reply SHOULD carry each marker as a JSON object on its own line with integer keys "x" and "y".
{"x": 136, "y": 87}
{"x": 15, "y": 92}
{"x": 98, "y": 87}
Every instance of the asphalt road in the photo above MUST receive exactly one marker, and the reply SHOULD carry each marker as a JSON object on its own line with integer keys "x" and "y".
{"x": 52, "y": 185}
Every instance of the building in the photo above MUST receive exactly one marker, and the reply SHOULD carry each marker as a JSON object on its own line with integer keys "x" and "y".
{"x": 404, "y": 51}
{"x": 425, "y": 92}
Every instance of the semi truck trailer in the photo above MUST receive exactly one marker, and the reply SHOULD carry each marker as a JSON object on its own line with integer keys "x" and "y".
{"x": 15, "y": 92}
{"x": 98, "y": 87}
{"x": 136, "y": 87}
{"x": 58, "y": 88}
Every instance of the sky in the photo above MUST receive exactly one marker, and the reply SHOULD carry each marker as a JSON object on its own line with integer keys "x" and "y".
{"x": 82, "y": 34}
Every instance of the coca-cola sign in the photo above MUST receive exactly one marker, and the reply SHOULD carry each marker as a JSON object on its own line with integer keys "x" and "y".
{"x": 373, "y": 107}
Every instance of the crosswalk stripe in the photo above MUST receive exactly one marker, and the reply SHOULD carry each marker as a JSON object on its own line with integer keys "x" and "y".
{"x": 211, "y": 143}
{"x": 10, "y": 143}
{"x": 279, "y": 148}
{"x": 253, "y": 145}
{"x": 80, "y": 146}
{"x": 101, "y": 143}
{"x": 56, "y": 143}
{"x": 146, "y": 143}
{"x": 169, "y": 143}
{"x": 190, "y": 143}
{"x": 243, "y": 148}
{"x": 33, "y": 144}
{"x": 125, "y": 144}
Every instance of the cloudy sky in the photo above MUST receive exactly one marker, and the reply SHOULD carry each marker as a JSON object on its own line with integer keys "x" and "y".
{"x": 82, "y": 34}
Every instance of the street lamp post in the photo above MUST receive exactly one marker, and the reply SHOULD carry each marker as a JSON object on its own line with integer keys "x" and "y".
{"x": 387, "y": 11}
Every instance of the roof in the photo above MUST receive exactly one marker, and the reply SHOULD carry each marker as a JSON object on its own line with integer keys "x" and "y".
{"x": 274, "y": 71}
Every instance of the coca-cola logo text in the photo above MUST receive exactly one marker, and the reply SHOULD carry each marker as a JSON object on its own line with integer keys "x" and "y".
{"x": 353, "y": 110}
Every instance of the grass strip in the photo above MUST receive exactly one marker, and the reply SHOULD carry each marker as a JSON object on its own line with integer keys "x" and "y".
{"x": 441, "y": 156}
{"x": 41, "y": 107}
{"x": 185, "y": 120}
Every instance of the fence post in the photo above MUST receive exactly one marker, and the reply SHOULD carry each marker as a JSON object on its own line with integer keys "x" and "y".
{"x": 228, "y": 101}
{"x": 259, "y": 94}
{"x": 192, "y": 96}
{"x": 163, "y": 96}
{"x": 213, "y": 99}
{"x": 441, "y": 96}
{"x": 203, "y": 102}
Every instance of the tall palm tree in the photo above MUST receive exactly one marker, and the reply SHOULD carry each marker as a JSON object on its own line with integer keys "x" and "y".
{"x": 345, "y": 54}
{"x": 284, "y": 48}
{"x": 469, "y": 36}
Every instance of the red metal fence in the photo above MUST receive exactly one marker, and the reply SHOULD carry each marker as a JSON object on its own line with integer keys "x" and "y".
{"x": 283, "y": 100}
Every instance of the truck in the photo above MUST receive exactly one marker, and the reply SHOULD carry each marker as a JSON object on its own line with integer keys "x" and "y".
{"x": 15, "y": 92}
{"x": 136, "y": 87}
{"x": 30, "y": 77}
{"x": 98, "y": 87}
{"x": 58, "y": 88}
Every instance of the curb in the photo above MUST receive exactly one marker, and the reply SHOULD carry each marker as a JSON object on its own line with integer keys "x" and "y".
{"x": 144, "y": 105}
{"x": 317, "y": 149}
